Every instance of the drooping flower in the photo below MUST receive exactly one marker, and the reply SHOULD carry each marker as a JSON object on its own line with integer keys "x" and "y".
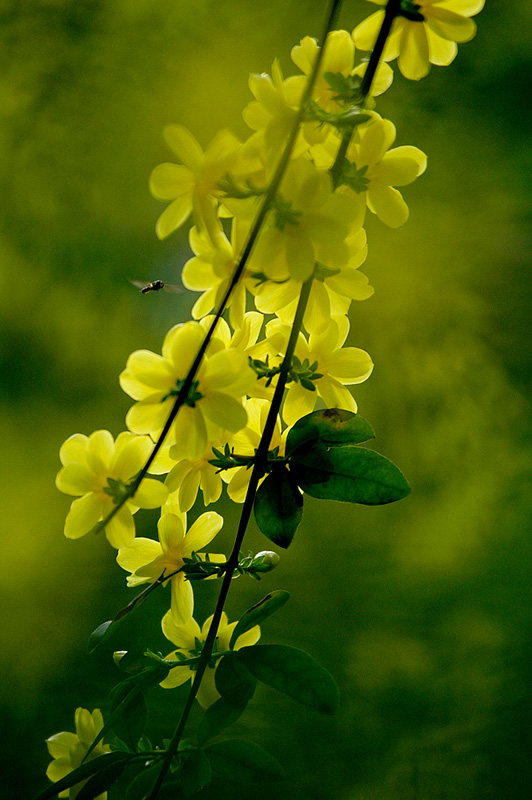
{"x": 147, "y": 560}
{"x": 189, "y": 640}
{"x": 425, "y": 34}
{"x": 246, "y": 442}
{"x": 187, "y": 476}
{"x": 192, "y": 185}
{"x": 338, "y": 59}
{"x": 274, "y": 109}
{"x": 331, "y": 292}
{"x": 211, "y": 270}
{"x": 337, "y": 367}
{"x": 374, "y": 171}
{"x": 214, "y": 400}
{"x": 69, "y": 750}
{"x": 100, "y": 469}
{"x": 309, "y": 223}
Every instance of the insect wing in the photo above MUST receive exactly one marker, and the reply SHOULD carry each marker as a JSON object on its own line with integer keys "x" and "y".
{"x": 172, "y": 288}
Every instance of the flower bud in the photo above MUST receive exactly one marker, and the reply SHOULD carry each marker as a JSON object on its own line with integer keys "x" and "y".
{"x": 118, "y": 655}
{"x": 265, "y": 561}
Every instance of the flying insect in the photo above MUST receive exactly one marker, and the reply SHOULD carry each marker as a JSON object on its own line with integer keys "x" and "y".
{"x": 156, "y": 286}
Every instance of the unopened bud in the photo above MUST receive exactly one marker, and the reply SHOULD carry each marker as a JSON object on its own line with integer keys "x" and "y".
{"x": 265, "y": 561}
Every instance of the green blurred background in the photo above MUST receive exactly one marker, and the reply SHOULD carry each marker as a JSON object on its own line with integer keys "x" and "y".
{"x": 420, "y": 609}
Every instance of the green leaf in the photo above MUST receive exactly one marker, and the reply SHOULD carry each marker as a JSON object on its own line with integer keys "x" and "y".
{"x": 141, "y": 786}
{"x": 332, "y": 427}
{"x": 259, "y": 612}
{"x": 101, "y": 781}
{"x": 349, "y": 474}
{"x": 101, "y": 632}
{"x": 278, "y": 507}
{"x": 195, "y": 772}
{"x": 244, "y": 762}
{"x": 293, "y": 672}
{"x": 83, "y": 772}
{"x": 217, "y": 717}
{"x": 234, "y": 682}
{"x": 131, "y": 716}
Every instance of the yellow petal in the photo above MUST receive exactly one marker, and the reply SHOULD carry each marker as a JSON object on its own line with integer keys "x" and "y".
{"x": 73, "y": 450}
{"x": 441, "y": 51}
{"x": 184, "y": 145}
{"x": 174, "y": 216}
{"x": 150, "y": 494}
{"x": 414, "y": 56}
{"x": 169, "y": 181}
{"x": 449, "y": 25}
{"x": 401, "y": 166}
{"x": 182, "y": 599}
{"x": 120, "y": 530}
{"x": 190, "y": 432}
{"x": 100, "y": 452}
{"x": 141, "y": 552}
{"x": 224, "y": 411}
{"x": 387, "y": 203}
{"x": 76, "y": 479}
{"x": 84, "y": 514}
{"x": 203, "y": 531}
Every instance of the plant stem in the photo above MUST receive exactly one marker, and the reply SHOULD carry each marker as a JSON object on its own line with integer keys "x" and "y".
{"x": 232, "y": 561}
{"x": 392, "y": 10}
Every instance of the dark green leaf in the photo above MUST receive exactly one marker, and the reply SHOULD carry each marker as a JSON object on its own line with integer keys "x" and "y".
{"x": 141, "y": 786}
{"x": 349, "y": 474}
{"x": 130, "y": 721}
{"x": 83, "y": 772}
{"x": 244, "y": 762}
{"x": 259, "y": 612}
{"x": 333, "y": 427}
{"x": 101, "y": 632}
{"x": 234, "y": 682}
{"x": 278, "y": 507}
{"x": 101, "y": 781}
{"x": 293, "y": 672}
{"x": 219, "y": 716}
{"x": 195, "y": 772}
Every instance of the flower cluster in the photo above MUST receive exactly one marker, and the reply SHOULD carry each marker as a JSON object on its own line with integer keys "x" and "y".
{"x": 196, "y": 424}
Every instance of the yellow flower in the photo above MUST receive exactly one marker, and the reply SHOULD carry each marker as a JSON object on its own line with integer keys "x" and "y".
{"x": 338, "y": 58}
{"x": 330, "y": 295}
{"x": 337, "y": 366}
{"x": 147, "y": 559}
{"x": 214, "y": 400}
{"x": 309, "y": 223}
{"x": 192, "y": 185}
{"x": 246, "y": 442}
{"x": 375, "y": 171}
{"x": 211, "y": 271}
{"x": 69, "y": 749}
{"x": 274, "y": 109}
{"x": 188, "y": 475}
{"x": 189, "y": 639}
{"x": 426, "y": 34}
{"x": 99, "y": 469}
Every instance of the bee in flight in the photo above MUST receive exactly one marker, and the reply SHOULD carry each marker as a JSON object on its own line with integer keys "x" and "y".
{"x": 156, "y": 286}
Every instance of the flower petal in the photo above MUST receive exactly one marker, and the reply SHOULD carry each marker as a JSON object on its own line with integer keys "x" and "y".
{"x": 388, "y": 204}
{"x": 84, "y": 514}
{"x": 169, "y": 181}
{"x": 174, "y": 216}
{"x": 182, "y": 599}
{"x": 150, "y": 494}
{"x": 141, "y": 552}
{"x": 414, "y": 56}
{"x": 184, "y": 145}
{"x": 120, "y": 530}
{"x": 203, "y": 531}
{"x": 73, "y": 450}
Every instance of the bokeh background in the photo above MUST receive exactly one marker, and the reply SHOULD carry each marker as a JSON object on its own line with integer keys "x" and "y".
{"x": 422, "y": 610}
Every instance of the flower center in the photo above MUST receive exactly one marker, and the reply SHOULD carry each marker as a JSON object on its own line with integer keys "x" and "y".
{"x": 411, "y": 11}
{"x": 285, "y": 214}
{"x": 192, "y": 397}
